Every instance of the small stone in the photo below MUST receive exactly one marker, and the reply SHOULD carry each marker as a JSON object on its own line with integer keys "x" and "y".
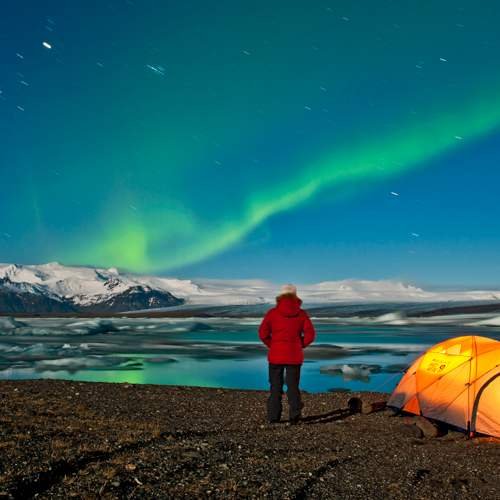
{"x": 427, "y": 427}
{"x": 411, "y": 430}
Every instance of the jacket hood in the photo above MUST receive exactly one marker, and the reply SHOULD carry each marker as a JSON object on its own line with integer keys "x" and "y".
{"x": 288, "y": 305}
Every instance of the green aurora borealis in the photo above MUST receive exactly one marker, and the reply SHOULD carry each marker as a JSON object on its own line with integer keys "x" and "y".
{"x": 155, "y": 136}
{"x": 174, "y": 240}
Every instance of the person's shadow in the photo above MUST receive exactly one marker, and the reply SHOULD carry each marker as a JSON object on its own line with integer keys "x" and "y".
{"x": 331, "y": 416}
{"x": 353, "y": 406}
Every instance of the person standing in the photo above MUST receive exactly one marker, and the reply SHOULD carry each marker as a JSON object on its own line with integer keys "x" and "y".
{"x": 286, "y": 330}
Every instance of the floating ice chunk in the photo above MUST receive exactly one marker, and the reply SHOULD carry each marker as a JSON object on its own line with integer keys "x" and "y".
{"x": 442, "y": 59}
{"x": 75, "y": 364}
{"x": 416, "y": 235}
{"x": 307, "y": 108}
{"x": 395, "y": 194}
{"x": 459, "y": 138}
{"x": 92, "y": 327}
{"x": 25, "y": 83}
{"x": 9, "y": 323}
{"x": 20, "y": 108}
{"x": 246, "y": 52}
{"x": 19, "y": 55}
{"x": 393, "y": 318}
{"x": 345, "y": 18}
{"x": 37, "y": 350}
{"x": 47, "y": 45}
{"x": 495, "y": 321}
{"x": 351, "y": 371}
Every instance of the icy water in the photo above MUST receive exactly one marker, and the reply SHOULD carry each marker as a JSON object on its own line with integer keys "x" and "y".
{"x": 211, "y": 353}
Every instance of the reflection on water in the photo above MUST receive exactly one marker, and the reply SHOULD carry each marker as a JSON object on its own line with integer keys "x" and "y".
{"x": 211, "y": 352}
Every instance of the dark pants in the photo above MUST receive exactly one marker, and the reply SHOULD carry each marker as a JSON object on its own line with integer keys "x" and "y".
{"x": 289, "y": 374}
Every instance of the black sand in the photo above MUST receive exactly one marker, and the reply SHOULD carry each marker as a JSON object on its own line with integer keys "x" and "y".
{"x": 91, "y": 440}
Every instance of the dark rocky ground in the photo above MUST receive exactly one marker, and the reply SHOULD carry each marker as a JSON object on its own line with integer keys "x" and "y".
{"x": 87, "y": 440}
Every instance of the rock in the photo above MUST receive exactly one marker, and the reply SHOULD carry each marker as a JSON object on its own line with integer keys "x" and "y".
{"x": 429, "y": 429}
{"x": 408, "y": 420}
{"x": 390, "y": 412}
{"x": 411, "y": 430}
{"x": 354, "y": 404}
{"x": 367, "y": 408}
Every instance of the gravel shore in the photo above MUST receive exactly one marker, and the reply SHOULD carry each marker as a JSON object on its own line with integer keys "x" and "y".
{"x": 62, "y": 439}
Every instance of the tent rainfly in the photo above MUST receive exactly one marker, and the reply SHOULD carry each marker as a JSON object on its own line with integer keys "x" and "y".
{"x": 456, "y": 381}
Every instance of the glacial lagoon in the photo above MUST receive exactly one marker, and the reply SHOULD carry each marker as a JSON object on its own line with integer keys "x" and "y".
{"x": 216, "y": 352}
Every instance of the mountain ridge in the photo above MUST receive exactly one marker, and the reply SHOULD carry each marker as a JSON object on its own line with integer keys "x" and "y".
{"x": 57, "y": 288}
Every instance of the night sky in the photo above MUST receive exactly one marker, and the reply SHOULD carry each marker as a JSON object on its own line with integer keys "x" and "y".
{"x": 288, "y": 140}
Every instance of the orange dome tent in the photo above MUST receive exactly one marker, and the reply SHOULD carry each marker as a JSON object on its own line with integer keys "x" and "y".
{"x": 456, "y": 381}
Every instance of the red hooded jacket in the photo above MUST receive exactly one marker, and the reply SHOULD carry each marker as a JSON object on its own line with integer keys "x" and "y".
{"x": 286, "y": 329}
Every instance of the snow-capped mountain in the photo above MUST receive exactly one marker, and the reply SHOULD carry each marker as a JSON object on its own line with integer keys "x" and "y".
{"x": 54, "y": 288}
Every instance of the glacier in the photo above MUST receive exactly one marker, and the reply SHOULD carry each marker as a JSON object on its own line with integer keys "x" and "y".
{"x": 100, "y": 290}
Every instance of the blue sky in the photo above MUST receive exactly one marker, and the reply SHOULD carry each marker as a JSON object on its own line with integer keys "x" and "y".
{"x": 253, "y": 139}
{"x": 451, "y": 205}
